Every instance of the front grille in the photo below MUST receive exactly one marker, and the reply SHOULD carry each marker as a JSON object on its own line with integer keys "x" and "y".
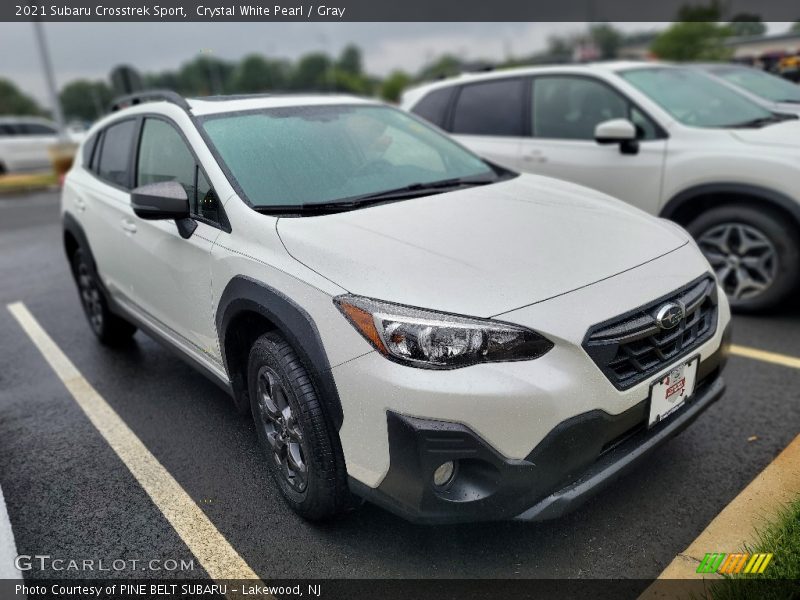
{"x": 631, "y": 347}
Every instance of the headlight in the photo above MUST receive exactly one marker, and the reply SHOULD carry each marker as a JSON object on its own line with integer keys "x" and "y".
{"x": 434, "y": 340}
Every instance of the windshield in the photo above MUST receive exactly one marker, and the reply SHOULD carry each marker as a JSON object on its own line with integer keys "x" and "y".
{"x": 694, "y": 98}
{"x": 319, "y": 154}
{"x": 759, "y": 83}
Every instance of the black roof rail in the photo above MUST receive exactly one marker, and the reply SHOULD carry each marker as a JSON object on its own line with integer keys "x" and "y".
{"x": 149, "y": 96}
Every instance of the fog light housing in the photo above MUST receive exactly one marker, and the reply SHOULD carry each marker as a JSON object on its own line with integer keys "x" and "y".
{"x": 444, "y": 474}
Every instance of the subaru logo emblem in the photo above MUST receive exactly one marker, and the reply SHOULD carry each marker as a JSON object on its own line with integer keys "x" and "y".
{"x": 670, "y": 315}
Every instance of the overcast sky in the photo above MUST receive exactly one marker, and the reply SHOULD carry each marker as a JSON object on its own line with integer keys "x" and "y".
{"x": 92, "y": 49}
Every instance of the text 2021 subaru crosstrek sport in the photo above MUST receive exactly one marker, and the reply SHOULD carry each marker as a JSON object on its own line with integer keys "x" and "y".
{"x": 406, "y": 322}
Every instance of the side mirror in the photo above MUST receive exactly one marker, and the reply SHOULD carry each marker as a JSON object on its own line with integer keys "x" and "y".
{"x": 618, "y": 131}
{"x": 164, "y": 200}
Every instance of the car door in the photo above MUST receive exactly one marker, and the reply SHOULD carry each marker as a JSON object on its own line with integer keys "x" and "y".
{"x": 104, "y": 208}
{"x": 564, "y": 111}
{"x": 170, "y": 276}
{"x": 488, "y": 117}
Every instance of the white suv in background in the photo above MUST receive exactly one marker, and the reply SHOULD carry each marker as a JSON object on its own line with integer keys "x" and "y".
{"x": 776, "y": 93}
{"x": 405, "y": 321}
{"x": 667, "y": 139}
{"x": 24, "y": 143}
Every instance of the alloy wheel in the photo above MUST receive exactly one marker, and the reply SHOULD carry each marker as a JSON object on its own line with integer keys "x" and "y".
{"x": 281, "y": 429}
{"x": 744, "y": 259}
{"x": 90, "y": 297}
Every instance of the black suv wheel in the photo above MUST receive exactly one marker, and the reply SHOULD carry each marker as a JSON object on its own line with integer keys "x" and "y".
{"x": 108, "y": 327}
{"x": 301, "y": 447}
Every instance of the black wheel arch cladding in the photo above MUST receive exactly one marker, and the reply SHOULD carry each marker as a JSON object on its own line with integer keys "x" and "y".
{"x": 244, "y": 296}
{"x": 681, "y": 207}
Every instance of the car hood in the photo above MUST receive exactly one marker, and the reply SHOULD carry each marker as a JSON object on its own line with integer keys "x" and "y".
{"x": 480, "y": 251}
{"x": 780, "y": 134}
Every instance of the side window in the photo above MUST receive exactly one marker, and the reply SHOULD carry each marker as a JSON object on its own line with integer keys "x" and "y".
{"x": 570, "y": 108}
{"x": 490, "y": 108}
{"x": 645, "y": 128}
{"x": 94, "y": 165}
{"x": 207, "y": 200}
{"x": 6, "y": 130}
{"x": 88, "y": 149}
{"x": 164, "y": 156}
{"x": 37, "y": 129}
{"x": 433, "y": 106}
{"x": 115, "y": 153}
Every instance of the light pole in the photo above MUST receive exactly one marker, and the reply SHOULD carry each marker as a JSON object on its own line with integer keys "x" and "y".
{"x": 50, "y": 79}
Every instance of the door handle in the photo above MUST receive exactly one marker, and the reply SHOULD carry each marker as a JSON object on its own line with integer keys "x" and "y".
{"x": 536, "y": 156}
{"x": 129, "y": 226}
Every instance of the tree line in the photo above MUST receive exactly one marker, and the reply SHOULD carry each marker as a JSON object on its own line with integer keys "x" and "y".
{"x": 698, "y": 35}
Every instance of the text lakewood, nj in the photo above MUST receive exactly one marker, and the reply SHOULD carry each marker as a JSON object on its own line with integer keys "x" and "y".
{"x": 245, "y": 11}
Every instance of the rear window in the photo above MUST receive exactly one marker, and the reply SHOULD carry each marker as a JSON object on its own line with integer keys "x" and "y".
{"x": 490, "y": 108}
{"x": 115, "y": 153}
{"x": 433, "y": 107}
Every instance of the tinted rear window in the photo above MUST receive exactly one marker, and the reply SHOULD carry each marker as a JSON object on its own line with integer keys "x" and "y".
{"x": 433, "y": 107}
{"x": 490, "y": 108}
{"x": 115, "y": 153}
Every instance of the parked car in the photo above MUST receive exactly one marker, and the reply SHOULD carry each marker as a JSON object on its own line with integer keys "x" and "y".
{"x": 405, "y": 321}
{"x": 24, "y": 143}
{"x": 667, "y": 139}
{"x": 776, "y": 93}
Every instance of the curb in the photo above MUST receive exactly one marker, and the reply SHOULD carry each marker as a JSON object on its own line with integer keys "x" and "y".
{"x": 737, "y": 524}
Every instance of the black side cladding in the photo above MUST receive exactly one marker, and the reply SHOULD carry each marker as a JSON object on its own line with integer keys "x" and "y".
{"x": 243, "y": 295}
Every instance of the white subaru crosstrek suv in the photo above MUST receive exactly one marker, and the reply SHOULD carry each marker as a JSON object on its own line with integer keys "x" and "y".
{"x": 670, "y": 140}
{"x": 406, "y": 322}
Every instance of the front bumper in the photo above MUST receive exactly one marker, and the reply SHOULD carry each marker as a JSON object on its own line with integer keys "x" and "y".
{"x": 576, "y": 460}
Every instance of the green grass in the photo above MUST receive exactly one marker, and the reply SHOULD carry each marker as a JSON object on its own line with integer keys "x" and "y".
{"x": 14, "y": 184}
{"x": 781, "y": 579}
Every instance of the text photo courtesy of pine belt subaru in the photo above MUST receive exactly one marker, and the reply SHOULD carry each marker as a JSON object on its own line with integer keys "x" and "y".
{"x": 670, "y": 140}
{"x": 406, "y": 322}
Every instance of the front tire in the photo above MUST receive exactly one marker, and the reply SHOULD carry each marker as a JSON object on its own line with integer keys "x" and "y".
{"x": 109, "y": 328}
{"x": 301, "y": 446}
{"x": 755, "y": 254}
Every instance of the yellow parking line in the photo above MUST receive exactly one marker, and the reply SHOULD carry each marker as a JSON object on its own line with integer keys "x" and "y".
{"x": 764, "y": 356}
{"x": 208, "y": 545}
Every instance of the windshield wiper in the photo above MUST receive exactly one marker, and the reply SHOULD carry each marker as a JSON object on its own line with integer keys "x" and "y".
{"x": 764, "y": 121}
{"x": 407, "y": 192}
{"x": 415, "y": 190}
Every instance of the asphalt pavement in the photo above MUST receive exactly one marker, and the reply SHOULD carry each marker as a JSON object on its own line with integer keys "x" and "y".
{"x": 69, "y": 495}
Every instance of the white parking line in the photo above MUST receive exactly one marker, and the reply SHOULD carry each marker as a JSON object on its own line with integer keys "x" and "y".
{"x": 8, "y": 549}
{"x": 208, "y": 545}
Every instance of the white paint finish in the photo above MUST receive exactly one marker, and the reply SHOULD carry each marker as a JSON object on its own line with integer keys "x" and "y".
{"x": 691, "y": 156}
{"x": 8, "y": 548}
{"x": 545, "y": 253}
{"x": 483, "y": 250}
{"x": 512, "y": 405}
